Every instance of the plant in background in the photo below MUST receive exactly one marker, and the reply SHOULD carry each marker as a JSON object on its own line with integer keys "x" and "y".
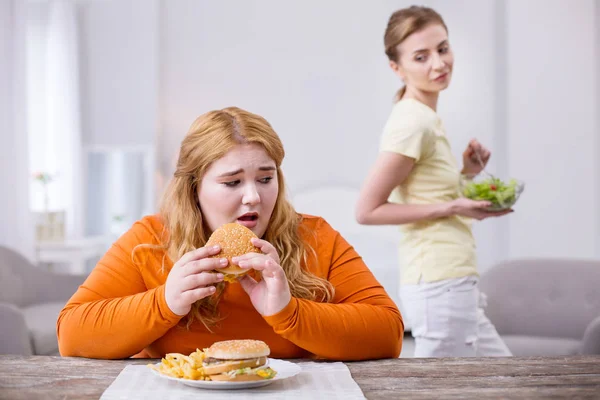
{"x": 118, "y": 217}
{"x": 44, "y": 178}
{"x": 119, "y": 224}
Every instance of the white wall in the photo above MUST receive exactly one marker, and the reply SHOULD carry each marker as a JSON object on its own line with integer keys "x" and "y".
{"x": 313, "y": 69}
{"x": 37, "y": 98}
{"x": 16, "y": 229}
{"x": 119, "y": 57}
{"x": 552, "y": 134}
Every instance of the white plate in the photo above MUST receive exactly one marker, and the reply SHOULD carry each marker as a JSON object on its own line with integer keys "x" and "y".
{"x": 285, "y": 369}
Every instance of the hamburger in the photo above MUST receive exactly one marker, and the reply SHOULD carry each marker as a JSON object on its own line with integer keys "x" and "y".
{"x": 237, "y": 360}
{"x": 234, "y": 240}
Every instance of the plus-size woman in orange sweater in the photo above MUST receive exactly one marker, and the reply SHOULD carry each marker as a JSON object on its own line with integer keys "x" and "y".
{"x": 155, "y": 291}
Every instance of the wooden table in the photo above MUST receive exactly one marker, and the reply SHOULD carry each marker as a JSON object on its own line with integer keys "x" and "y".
{"x": 576, "y": 377}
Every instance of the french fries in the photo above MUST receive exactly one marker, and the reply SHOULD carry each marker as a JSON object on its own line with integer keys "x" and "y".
{"x": 178, "y": 365}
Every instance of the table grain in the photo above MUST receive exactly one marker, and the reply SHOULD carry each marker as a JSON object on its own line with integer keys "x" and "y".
{"x": 570, "y": 377}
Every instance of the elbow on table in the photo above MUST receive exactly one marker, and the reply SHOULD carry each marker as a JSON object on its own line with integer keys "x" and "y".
{"x": 388, "y": 345}
{"x": 399, "y": 340}
{"x": 71, "y": 340}
{"x": 67, "y": 346}
{"x": 71, "y": 346}
{"x": 397, "y": 337}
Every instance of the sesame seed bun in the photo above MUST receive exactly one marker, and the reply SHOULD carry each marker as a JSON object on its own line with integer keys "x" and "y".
{"x": 238, "y": 349}
{"x": 234, "y": 240}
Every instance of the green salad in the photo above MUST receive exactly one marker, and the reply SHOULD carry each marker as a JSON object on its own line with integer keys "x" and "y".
{"x": 502, "y": 195}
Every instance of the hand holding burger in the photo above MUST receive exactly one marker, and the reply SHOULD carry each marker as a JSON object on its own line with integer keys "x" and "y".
{"x": 192, "y": 278}
{"x": 245, "y": 251}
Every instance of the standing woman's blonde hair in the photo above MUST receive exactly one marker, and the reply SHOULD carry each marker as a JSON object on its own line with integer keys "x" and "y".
{"x": 404, "y": 23}
{"x": 209, "y": 138}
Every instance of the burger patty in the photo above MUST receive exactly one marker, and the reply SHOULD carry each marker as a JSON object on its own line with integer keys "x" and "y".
{"x": 212, "y": 361}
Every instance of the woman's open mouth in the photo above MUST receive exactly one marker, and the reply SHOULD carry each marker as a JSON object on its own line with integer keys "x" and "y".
{"x": 249, "y": 220}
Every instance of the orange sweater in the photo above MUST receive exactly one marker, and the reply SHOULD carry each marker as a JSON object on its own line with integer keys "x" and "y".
{"x": 120, "y": 310}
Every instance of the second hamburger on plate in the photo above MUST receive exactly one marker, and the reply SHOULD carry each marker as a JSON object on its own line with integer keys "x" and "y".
{"x": 238, "y": 360}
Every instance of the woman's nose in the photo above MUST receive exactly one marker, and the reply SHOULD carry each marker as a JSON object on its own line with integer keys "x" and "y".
{"x": 438, "y": 63}
{"x": 250, "y": 195}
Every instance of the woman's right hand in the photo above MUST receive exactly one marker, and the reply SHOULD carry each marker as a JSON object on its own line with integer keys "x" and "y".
{"x": 473, "y": 209}
{"x": 192, "y": 278}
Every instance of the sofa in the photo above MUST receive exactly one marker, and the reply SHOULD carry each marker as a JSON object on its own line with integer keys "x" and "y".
{"x": 545, "y": 307}
{"x": 30, "y": 301}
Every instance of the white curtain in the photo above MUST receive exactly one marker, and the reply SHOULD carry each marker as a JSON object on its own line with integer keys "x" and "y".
{"x": 64, "y": 150}
{"x": 16, "y": 225}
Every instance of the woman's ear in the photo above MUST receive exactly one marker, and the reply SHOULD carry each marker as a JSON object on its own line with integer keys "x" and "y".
{"x": 397, "y": 69}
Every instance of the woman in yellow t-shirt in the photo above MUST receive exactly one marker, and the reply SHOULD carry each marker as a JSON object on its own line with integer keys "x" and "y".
{"x": 415, "y": 184}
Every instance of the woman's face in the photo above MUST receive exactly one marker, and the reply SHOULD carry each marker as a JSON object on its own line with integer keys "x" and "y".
{"x": 426, "y": 60}
{"x": 240, "y": 187}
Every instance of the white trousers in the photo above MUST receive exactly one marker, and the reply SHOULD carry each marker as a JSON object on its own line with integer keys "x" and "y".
{"x": 447, "y": 320}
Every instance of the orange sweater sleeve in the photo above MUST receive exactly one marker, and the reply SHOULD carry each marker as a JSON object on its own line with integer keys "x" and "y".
{"x": 362, "y": 322}
{"x": 114, "y": 314}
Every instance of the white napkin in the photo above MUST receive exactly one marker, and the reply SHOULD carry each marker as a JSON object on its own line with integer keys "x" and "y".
{"x": 316, "y": 381}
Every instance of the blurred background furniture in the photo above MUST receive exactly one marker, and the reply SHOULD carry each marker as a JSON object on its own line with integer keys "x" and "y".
{"x": 74, "y": 253}
{"x": 545, "y": 307}
{"x": 30, "y": 300}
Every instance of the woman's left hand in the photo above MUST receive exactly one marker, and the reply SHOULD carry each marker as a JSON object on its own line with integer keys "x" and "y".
{"x": 272, "y": 293}
{"x": 471, "y": 165}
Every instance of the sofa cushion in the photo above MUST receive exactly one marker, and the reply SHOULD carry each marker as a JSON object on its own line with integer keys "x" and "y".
{"x": 521, "y": 345}
{"x": 41, "y": 321}
{"x": 542, "y": 297}
{"x": 14, "y": 271}
{"x": 14, "y": 333}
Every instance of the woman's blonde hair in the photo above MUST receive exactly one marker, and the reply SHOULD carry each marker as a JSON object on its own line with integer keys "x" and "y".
{"x": 209, "y": 138}
{"x": 404, "y": 23}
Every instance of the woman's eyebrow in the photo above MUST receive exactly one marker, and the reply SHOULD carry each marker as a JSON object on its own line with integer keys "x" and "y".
{"x": 231, "y": 173}
{"x": 238, "y": 171}
{"x": 443, "y": 42}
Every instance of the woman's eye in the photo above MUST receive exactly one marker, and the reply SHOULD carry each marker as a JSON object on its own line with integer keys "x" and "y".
{"x": 444, "y": 50}
{"x": 231, "y": 183}
{"x": 266, "y": 179}
{"x": 420, "y": 58}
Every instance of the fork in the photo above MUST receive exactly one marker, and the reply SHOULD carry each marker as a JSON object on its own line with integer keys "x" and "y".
{"x": 483, "y": 166}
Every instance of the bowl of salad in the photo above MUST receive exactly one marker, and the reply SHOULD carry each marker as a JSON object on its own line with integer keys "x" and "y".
{"x": 502, "y": 194}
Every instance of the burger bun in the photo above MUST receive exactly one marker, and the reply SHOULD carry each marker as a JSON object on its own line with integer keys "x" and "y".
{"x": 234, "y": 240}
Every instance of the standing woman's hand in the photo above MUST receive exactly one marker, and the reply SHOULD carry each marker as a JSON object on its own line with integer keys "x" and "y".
{"x": 471, "y": 165}
{"x": 272, "y": 293}
{"x": 476, "y": 209}
{"x": 192, "y": 278}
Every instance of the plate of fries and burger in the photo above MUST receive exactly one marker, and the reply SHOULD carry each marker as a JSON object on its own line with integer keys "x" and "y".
{"x": 229, "y": 364}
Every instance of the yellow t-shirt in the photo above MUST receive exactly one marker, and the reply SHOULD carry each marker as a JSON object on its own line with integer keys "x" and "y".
{"x": 437, "y": 249}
